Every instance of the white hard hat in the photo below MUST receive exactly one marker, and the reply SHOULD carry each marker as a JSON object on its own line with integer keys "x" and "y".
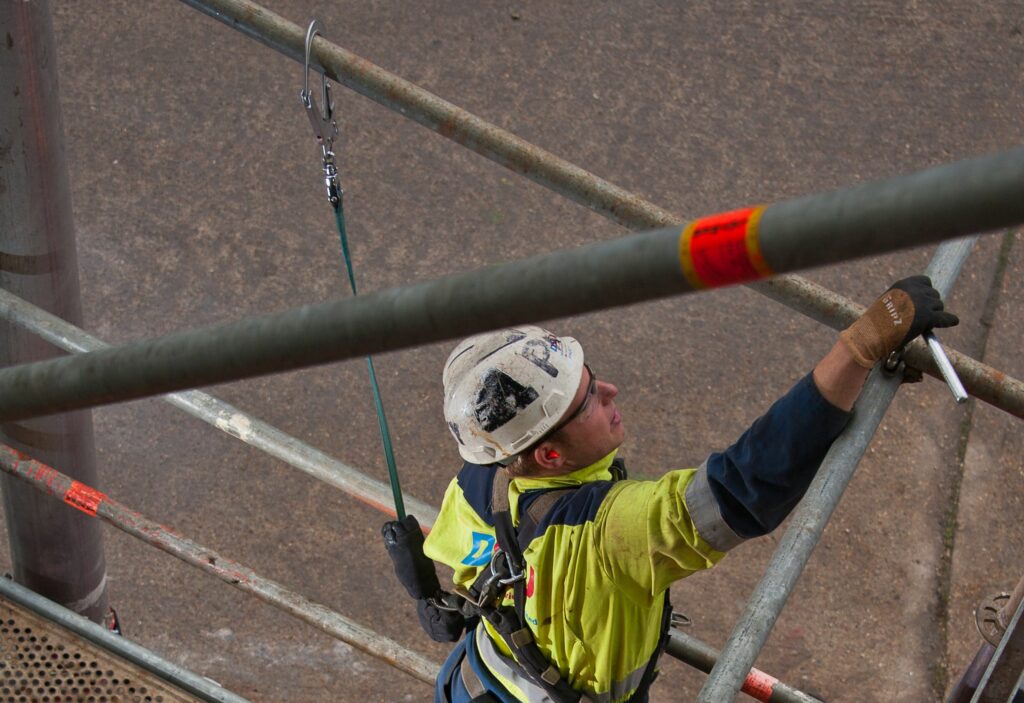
{"x": 503, "y": 390}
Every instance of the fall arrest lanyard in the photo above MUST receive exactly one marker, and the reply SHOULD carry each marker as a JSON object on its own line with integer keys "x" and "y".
{"x": 326, "y": 130}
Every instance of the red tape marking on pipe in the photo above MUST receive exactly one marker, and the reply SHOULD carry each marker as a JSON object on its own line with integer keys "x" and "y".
{"x": 723, "y": 249}
{"x": 759, "y": 685}
{"x": 84, "y": 498}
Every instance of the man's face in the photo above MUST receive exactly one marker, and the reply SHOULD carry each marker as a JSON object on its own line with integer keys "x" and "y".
{"x": 597, "y": 429}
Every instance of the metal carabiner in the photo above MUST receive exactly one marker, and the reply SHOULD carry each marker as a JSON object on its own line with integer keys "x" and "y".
{"x": 325, "y": 128}
{"x": 513, "y": 577}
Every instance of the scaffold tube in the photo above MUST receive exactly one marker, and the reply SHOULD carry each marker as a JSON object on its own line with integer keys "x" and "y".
{"x": 757, "y": 684}
{"x": 563, "y": 177}
{"x": 814, "y": 511}
{"x": 227, "y": 418}
{"x": 97, "y": 504}
{"x": 950, "y": 201}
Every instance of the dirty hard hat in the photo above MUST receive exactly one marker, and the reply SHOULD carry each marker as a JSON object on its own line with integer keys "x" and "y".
{"x": 503, "y": 390}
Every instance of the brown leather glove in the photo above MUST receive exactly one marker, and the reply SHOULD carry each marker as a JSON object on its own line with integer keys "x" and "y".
{"x": 908, "y": 309}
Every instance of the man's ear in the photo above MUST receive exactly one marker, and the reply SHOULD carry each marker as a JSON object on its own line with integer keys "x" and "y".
{"x": 547, "y": 456}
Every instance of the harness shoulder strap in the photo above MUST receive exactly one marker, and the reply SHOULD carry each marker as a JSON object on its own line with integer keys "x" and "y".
{"x": 536, "y": 512}
{"x": 511, "y": 623}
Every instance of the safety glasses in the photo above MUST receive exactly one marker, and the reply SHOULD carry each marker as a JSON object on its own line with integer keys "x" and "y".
{"x": 591, "y": 392}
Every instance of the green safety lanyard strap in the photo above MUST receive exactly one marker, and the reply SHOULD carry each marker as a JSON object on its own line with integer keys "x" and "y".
{"x": 382, "y": 420}
{"x": 326, "y": 129}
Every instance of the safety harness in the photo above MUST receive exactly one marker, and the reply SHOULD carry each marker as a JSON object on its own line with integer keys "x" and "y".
{"x": 446, "y": 616}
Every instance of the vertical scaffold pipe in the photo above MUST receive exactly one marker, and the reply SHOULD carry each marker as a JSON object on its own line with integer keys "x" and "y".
{"x": 814, "y": 511}
{"x": 54, "y": 551}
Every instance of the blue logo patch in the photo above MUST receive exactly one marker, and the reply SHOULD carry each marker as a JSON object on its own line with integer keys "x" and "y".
{"x": 480, "y": 553}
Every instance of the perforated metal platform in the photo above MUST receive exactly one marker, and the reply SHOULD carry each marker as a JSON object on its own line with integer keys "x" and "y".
{"x": 41, "y": 662}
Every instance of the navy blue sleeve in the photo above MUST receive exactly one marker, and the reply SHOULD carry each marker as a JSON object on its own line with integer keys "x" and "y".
{"x": 760, "y": 479}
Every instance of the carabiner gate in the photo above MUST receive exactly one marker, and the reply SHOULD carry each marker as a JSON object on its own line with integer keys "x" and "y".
{"x": 325, "y": 128}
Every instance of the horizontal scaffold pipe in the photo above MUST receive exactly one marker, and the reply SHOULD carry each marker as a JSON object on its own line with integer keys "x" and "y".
{"x": 226, "y": 417}
{"x": 971, "y": 196}
{"x": 758, "y": 685}
{"x": 561, "y": 176}
{"x": 97, "y": 504}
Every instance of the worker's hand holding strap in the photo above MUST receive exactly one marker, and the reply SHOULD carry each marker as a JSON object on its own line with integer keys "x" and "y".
{"x": 909, "y": 308}
{"x": 404, "y": 541}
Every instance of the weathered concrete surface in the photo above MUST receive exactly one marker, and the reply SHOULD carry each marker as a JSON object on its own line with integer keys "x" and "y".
{"x": 197, "y": 200}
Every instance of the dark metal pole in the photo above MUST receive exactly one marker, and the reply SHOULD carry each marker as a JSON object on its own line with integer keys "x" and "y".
{"x": 227, "y": 418}
{"x": 559, "y": 175}
{"x": 89, "y": 501}
{"x": 54, "y": 552}
{"x": 814, "y": 511}
{"x": 964, "y": 689}
{"x": 941, "y": 203}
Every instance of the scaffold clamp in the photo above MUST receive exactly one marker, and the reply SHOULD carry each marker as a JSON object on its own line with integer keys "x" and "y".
{"x": 325, "y": 127}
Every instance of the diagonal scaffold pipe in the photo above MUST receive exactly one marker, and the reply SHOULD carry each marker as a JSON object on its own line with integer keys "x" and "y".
{"x": 561, "y": 176}
{"x": 813, "y": 513}
{"x": 97, "y": 504}
{"x": 950, "y": 201}
{"x": 928, "y": 206}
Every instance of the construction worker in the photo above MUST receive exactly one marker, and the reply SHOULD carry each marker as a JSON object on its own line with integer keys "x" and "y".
{"x": 562, "y": 567}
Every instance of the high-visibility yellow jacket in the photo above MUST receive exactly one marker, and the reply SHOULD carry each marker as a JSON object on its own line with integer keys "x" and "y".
{"x": 600, "y": 561}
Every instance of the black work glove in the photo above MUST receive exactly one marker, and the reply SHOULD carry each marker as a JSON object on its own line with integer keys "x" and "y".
{"x": 908, "y": 309}
{"x": 404, "y": 541}
{"x": 442, "y": 625}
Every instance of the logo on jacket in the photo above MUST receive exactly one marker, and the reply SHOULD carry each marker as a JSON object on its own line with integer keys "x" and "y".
{"x": 481, "y": 551}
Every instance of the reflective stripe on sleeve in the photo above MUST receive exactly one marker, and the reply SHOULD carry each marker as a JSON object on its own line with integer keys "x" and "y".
{"x": 706, "y": 513}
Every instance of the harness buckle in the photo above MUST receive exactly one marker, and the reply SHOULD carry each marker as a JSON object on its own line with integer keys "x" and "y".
{"x": 325, "y": 127}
